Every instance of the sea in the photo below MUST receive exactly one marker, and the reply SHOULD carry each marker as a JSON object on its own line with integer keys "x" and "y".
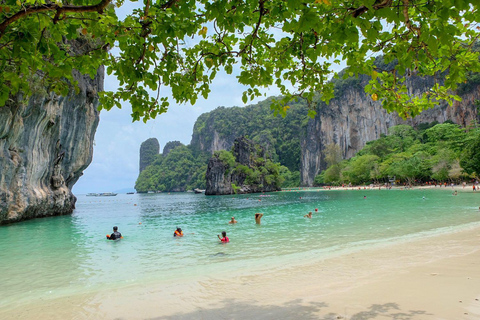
{"x": 64, "y": 256}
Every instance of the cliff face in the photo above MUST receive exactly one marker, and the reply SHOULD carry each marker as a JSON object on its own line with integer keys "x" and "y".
{"x": 353, "y": 118}
{"x": 170, "y": 146}
{"x": 148, "y": 150}
{"x": 45, "y": 145}
{"x": 208, "y": 139}
{"x": 220, "y": 176}
{"x": 217, "y": 182}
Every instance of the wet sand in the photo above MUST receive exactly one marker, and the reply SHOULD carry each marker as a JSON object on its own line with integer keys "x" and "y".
{"x": 429, "y": 278}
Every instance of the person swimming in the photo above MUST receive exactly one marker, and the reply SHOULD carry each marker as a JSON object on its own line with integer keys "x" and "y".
{"x": 232, "y": 221}
{"x": 258, "y": 217}
{"x": 178, "y": 232}
{"x": 115, "y": 235}
{"x": 225, "y": 238}
{"x": 309, "y": 215}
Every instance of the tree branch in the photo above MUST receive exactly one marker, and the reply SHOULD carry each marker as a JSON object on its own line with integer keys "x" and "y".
{"x": 52, "y": 7}
{"x": 362, "y": 9}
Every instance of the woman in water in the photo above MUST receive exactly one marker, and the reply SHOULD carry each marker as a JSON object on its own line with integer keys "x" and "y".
{"x": 225, "y": 238}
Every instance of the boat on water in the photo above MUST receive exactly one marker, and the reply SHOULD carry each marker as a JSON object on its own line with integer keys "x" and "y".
{"x": 196, "y": 190}
{"x": 130, "y": 192}
{"x": 92, "y": 194}
{"x": 107, "y": 194}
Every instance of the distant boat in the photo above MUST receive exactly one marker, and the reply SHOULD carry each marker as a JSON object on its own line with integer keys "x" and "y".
{"x": 130, "y": 192}
{"x": 198, "y": 190}
{"x": 150, "y": 191}
{"x": 92, "y": 194}
{"x": 107, "y": 194}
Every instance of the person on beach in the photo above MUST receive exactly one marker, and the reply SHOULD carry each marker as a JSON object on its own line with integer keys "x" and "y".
{"x": 258, "y": 217}
{"x": 232, "y": 221}
{"x": 309, "y": 215}
{"x": 178, "y": 232}
{"x": 115, "y": 235}
{"x": 225, "y": 238}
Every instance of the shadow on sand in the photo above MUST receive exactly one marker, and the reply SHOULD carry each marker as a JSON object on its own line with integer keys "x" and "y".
{"x": 295, "y": 309}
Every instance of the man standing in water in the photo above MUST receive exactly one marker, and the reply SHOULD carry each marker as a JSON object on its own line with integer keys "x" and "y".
{"x": 115, "y": 235}
{"x": 258, "y": 217}
{"x": 232, "y": 221}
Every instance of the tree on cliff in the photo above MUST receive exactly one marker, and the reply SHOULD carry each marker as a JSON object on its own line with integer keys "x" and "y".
{"x": 182, "y": 45}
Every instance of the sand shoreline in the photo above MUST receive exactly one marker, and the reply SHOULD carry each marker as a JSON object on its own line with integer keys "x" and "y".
{"x": 468, "y": 188}
{"x": 437, "y": 277}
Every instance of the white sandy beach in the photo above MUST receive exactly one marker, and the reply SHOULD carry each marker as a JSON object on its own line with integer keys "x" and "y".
{"x": 430, "y": 278}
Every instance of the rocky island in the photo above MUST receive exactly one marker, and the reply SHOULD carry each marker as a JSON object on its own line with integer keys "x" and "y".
{"x": 247, "y": 169}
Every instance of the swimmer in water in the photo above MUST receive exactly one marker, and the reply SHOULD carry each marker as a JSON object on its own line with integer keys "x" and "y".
{"x": 225, "y": 238}
{"x": 232, "y": 221}
{"x": 115, "y": 235}
{"x": 258, "y": 217}
{"x": 178, "y": 233}
{"x": 309, "y": 215}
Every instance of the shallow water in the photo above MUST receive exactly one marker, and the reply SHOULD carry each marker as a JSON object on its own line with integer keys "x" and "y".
{"x": 63, "y": 256}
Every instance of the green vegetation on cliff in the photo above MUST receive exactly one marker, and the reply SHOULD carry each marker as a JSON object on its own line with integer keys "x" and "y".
{"x": 246, "y": 169}
{"x": 184, "y": 167}
{"x": 436, "y": 152}
{"x": 179, "y": 170}
{"x": 149, "y": 149}
{"x": 279, "y": 136}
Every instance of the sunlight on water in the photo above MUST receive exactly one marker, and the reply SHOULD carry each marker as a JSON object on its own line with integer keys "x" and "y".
{"x": 60, "y": 256}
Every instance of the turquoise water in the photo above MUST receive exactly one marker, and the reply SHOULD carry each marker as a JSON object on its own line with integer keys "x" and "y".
{"x": 62, "y": 256}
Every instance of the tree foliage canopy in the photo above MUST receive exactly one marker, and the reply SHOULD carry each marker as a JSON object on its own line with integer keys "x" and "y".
{"x": 182, "y": 45}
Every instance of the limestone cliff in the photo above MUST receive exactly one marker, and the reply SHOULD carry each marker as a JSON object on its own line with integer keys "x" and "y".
{"x": 170, "y": 146}
{"x": 218, "y": 129}
{"x": 251, "y": 173}
{"x": 148, "y": 150}
{"x": 353, "y": 118}
{"x": 45, "y": 145}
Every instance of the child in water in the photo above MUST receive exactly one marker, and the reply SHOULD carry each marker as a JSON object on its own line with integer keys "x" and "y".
{"x": 225, "y": 238}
